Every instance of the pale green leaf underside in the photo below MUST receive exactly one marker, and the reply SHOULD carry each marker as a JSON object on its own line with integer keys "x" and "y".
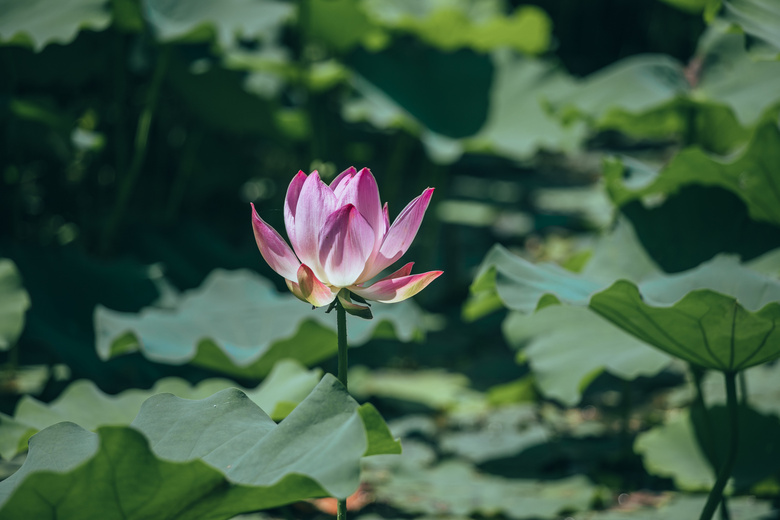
{"x": 14, "y": 302}
{"x": 518, "y": 124}
{"x": 567, "y": 347}
{"x": 455, "y": 488}
{"x": 237, "y": 323}
{"x": 38, "y": 23}
{"x": 521, "y": 284}
{"x": 228, "y": 20}
{"x": 207, "y": 459}
{"x": 760, "y": 18}
{"x": 84, "y": 404}
{"x": 671, "y": 450}
{"x": 640, "y": 95}
{"x": 436, "y": 389}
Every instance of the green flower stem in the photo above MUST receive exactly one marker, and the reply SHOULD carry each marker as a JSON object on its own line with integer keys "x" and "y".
{"x": 710, "y": 448}
{"x": 716, "y": 495}
{"x": 341, "y": 321}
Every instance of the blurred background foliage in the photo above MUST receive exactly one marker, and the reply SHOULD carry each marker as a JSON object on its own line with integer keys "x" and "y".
{"x": 135, "y": 133}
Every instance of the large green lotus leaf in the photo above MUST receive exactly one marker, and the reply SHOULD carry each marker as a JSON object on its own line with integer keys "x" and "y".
{"x": 237, "y": 323}
{"x": 719, "y": 315}
{"x": 681, "y": 506}
{"x": 521, "y": 284}
{"x": 634, "y": 84}
{"x": 518, "y": 125}
{"x": 674, "y": 448}
{"x": 655, "y": 96}
{"x": 14, "y": 302}
{"x": 228, "y": 20}
{"x": 455, "y": 488}
{"x": 427, "y": 87}
{"x": 760, "y": 18}
{"x": 732, "y": 76}
{"x": 567, "y": 347}
{"x": 207, "y": 459}
{"x": 512, "y": 122}
{"x": 84, "y": 404}
{"x": 503, "y": 432}
{"x": 38, "y": 23}
{"x": 436, "y": 389}
{"x": 671, "y": 450}
{"x": 752, "y": 175}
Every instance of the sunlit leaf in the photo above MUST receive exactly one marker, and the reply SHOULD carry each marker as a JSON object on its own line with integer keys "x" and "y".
{"x": 752, "y": 175}
{"x": 14, "y": 302}
{"x": 567, "y": 347}
{"x": 212, "y": 458}
{"x": 226, "y": 21}
{"x": 481, "y": 26}
{"x": 38, "y": 23}
{"x": 326, "y": 20}
{"x": 84, "y": 404}
{"x": 237, "y": 323}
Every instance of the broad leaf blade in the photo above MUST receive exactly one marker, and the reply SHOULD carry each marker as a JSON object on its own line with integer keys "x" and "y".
{"x": 567, "y": 347}
{"x": 752, "y": 176}
{"x": 38, "y": 23}
{"x": 705, "y": 327}
{"x": 237, "y": 323}
{"x": 84, "y": 404}
{"x": 212, "y": 458}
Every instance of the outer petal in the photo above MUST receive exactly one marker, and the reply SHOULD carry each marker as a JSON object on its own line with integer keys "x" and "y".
{"x": 404, "y": 271}
{"x": 296, "y": 290}
{"x": 392, "y": 290}
{"x": 291, "y": 205}
{"x": 362, "y": 192}
{"x": 312, "y": 289}
{"x": 315, "y": 202}
{"x": 401, "y": 234}
{"x": 342, "y": 177}
{"x": 346, "y": 242}
{"x": 274, "y": 249}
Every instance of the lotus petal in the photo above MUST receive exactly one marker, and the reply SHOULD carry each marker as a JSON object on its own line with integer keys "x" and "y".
{"x": 346, "y": 242}
{"x": 274, "y": 249}
{"x": 392, "y": 290}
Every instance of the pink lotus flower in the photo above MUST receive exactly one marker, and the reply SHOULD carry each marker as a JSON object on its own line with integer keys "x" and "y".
{"x": 342, "y": 239}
